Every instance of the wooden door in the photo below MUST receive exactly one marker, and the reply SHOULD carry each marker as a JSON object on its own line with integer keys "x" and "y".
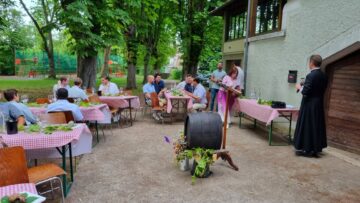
{"x": 343, "y": 103}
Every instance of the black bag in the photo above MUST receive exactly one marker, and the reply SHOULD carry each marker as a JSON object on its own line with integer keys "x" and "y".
{"x": 278, "y": 105}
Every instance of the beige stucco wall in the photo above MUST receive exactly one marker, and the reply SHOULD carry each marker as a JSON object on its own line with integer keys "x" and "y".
{"x": 233, "y": 47}
{"x": 311, "y": 26}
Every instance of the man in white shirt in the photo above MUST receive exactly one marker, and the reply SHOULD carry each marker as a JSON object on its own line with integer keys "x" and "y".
{"x": 76, "y": 92}
{"x": 199, "y": 95}
{"x": 62, "y": 104}
{"x": 240, "y": 78}
{"x": 107, "y": 87}
{"x": 62, "y": 83}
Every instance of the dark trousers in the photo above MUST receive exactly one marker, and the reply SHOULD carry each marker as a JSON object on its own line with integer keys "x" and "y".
{"x": 212, "y": 99}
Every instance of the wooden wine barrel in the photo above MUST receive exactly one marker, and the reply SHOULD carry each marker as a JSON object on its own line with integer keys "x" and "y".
{"x": 203, "y": 130}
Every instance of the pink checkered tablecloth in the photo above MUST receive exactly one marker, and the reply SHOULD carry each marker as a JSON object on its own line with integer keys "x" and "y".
{"x": 100, "y": 113}
{"x": 170, "y": 97}
{"x": 15, "y": 189}
{"x": 121, "y": 101}
{"x": 262, "y": 113}
{"x": 30, "y": 141}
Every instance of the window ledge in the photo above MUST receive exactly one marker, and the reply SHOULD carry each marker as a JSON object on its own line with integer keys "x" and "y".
{"x": 268, "y": 36}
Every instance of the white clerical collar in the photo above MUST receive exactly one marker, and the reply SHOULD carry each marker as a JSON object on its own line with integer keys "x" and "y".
{"x": 317, "y": 68}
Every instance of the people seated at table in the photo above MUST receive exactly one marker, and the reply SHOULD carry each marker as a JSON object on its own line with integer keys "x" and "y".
{"x": 10, "y": 112}
{"x": 186, "y": 84}
{"x": 76, "y": 92}
{"x": 11, "y": 95}
{"x": 199, "y": 95}
{"x": 230, "y": 80}
{"x": 62, "y": 104}
{"x": 107, "y": 87}
{"x": 62, "y": 83}
{"x": 148, "y": 89}
{"x": 158, "y": 83}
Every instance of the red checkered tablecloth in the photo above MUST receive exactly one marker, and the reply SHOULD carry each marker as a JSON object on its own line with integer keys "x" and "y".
{"x": 98, "y": 113}
{"x": 15, "y": 189}
{"x": 121, "y": 101}
{"x": 30, "y": 141}
{"x": 262, "y": 113}
{"x": 170, "y": 97}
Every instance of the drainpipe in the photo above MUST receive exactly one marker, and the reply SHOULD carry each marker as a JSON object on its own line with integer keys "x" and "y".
{"x": 246, "y": 45}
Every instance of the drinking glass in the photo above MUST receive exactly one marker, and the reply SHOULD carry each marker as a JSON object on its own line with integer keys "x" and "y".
{"x": 121, "y": 91}
{"x": 51, "y": 98}
{"x": 24, "y": 99}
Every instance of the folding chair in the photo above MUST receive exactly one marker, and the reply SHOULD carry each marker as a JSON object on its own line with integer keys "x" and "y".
{"x": 14, "y": 171}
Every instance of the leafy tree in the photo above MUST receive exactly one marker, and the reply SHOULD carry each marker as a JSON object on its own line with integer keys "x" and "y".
{"x": 13, "y": 36}
{"x": 45, "y": 19}
{"x": 193, "y": 17}
{"x": 211, "y": 53}
{"x": 92, "y": 25}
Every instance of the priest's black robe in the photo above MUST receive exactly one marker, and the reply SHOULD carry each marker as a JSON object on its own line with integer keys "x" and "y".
{"x": 310, "y": 133}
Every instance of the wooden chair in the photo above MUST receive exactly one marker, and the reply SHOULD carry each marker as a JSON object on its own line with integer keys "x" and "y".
{"x": 89, "y": 91}
{"x": 155, "y": 105}
{"x": 128, "y": 92}
{"x": 42, "y": 101}
{"x": 59, "y": 116}
{"x": 53, "y": 118}
{"x": 13, "y": 170}
{"x": 71, "y": 100}
{"x": 94, "y": 99}
{"x": 208, "y": 98}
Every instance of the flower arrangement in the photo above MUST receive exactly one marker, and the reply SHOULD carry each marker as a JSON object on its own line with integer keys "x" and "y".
{"x": 203, "y": 158}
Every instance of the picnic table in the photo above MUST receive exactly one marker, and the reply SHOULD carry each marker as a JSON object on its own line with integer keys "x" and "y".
{"x": 59, "y": 144}
{"x": 122, "y": 102}
{"x": 265, "y": 114}
{"x": 174, "y": 103}
{"x": 18, "y": 188}
{"x": 97, "y": 113}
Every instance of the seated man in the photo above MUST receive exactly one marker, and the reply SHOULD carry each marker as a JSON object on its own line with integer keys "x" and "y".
{"x": 199, "y": 95}
{"x": 11, "y": 95}
{"x": 62, "y": 104}
{"x": 62, "y": 83}
{"x": 186, "y": 84}
{"x": 10, "y": 112}
{"x": 158, "y": 83}
{"x": 148, "y": 89}
{"x": 76, "y": 91}
{"x": 107, "y": 87}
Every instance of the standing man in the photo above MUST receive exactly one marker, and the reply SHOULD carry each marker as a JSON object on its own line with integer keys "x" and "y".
{"x": 310, "y": 133}
{"x": 158, "y": 83}
{"x": 215, "y": 78}
{"x": 240, "y": 78}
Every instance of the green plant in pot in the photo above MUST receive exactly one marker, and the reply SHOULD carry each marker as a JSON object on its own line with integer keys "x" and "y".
{"x": 203, "y": 158}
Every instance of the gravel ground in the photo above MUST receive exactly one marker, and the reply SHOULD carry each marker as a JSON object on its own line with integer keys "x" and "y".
{"x": 136, "y": 165}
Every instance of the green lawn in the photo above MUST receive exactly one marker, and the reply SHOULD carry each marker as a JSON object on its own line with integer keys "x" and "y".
{"x": 36, "y": 88}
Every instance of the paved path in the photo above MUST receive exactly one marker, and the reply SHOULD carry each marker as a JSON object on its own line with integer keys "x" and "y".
{"x": 135, "y": 165}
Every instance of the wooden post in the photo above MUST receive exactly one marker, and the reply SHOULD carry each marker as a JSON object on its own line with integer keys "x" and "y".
{"x": 226, "y": 118}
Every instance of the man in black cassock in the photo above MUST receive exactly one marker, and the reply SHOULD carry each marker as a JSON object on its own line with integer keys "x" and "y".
{"x": 310, "y": 133}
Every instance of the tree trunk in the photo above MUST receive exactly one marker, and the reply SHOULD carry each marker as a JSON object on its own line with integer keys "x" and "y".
{"x": 87, "y": 70}
{"x": 132, "y": 48}
{"x": 105, "y": 71}
{"x": 146, "y": 65}
{"x": 50, "y": 54}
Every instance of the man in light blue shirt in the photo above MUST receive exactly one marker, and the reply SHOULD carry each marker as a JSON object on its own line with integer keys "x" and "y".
{"x": 216, "y": 76}
{"x": 76, "y": 92}
{"x": 199, "y": 95}
{"x": 149, "y": 88}
{"x": 62, "y": 104}
{"x": 11, "y": 95}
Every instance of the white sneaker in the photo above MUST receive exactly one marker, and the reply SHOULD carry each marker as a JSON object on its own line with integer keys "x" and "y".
{"x": 154, "y": 115}
{"x": 160, "y": 116}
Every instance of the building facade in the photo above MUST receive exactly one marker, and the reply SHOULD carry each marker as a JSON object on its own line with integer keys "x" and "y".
{"x": 283, "y": 34}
